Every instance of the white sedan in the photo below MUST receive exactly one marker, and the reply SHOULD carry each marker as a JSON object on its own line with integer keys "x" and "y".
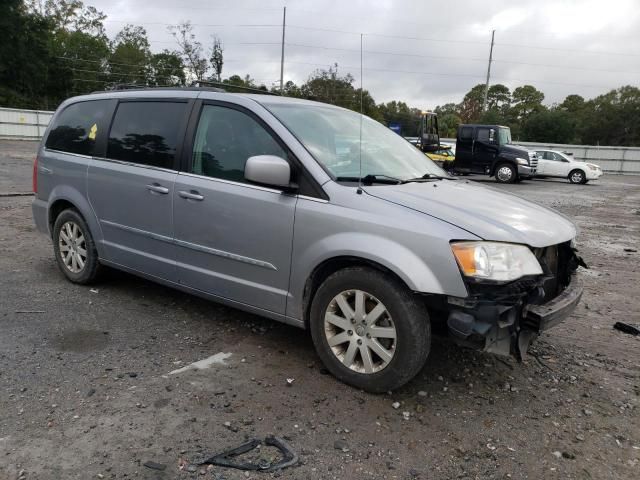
{"x": 552, "y": 163}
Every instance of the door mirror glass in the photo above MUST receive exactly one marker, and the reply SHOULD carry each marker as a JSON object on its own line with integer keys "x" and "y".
{"x": 268, "y": 170}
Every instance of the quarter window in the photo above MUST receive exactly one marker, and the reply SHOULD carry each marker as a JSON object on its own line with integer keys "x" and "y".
{"x": 225, "y": 139}
{"x": 146, "y": 133}
{"x": 76, "y": 128}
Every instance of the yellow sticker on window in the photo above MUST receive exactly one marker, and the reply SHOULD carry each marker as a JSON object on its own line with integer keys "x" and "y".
{"x": 93, "y": 131}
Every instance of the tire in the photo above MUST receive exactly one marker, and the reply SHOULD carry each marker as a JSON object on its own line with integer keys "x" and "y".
{"x": 76, "y": 266}
{"x": 398, "y": 313}
{"x": 577, "y": 176}
{"x": 506, "y": 173}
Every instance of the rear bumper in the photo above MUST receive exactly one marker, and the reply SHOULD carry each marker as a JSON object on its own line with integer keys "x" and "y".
{"x": 40, "y": 211}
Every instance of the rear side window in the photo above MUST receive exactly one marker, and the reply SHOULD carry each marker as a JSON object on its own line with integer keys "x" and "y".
{"x": 76, "y": 127}
{"x": 146, "y": 133}
{"x": 466, "y": 133}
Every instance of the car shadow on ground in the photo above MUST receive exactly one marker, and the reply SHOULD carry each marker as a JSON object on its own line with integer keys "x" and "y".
{"x": 447, "y": 362}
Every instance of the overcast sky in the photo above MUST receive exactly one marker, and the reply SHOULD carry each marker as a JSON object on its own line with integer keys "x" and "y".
{"x": 423, "y": 52}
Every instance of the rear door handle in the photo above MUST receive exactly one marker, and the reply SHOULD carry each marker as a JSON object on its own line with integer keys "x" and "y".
{"x": 154, "y": 187}
{"x": 192, "y": 195}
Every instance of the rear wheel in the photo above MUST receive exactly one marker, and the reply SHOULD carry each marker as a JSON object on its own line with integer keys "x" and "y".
{"x": 577, "y": 176}
{"x": 74, "y": 248}
{"x": 369, "y": 329}
{"x": 506, "y": 173}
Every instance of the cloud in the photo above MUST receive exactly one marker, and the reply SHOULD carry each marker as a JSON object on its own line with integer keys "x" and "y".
{"x": 424, "y": 53}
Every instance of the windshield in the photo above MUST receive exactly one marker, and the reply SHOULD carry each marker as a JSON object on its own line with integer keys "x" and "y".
{"x": 504, "y": 136}
{"x": 332, "y": 136}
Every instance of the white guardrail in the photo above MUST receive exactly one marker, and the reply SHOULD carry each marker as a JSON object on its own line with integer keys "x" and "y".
{"x": 31, "y": 124}
{"x": 624, "y": 160}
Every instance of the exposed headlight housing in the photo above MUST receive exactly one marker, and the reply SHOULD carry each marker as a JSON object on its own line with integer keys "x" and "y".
{"x": 502, "y": 262}
{"x": 522, "y": 161}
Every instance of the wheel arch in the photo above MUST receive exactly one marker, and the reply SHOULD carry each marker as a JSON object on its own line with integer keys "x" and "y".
{"x": 331, "y": 265}
{"x": 64, "y": 197}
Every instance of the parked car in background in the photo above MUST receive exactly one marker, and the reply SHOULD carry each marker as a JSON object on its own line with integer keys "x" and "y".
{"x": 552, "y": 163}
{"x": 305, "y": 213}
{"x": 442, "y": 157}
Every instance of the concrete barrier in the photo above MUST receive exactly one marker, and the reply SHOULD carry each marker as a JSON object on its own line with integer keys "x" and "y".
{"x": 23, "y": 124}
{"x": 31, "y": 124}
{"x": 612, "y": 159}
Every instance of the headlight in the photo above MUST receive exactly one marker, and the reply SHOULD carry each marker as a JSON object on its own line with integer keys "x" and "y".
{"x": 592, "y": 166}
{"x": 522, "y": 161}
{"x": 495, "y": 261}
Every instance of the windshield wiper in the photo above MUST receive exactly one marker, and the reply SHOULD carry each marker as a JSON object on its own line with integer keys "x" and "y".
{"x": 428, "y": 176}
{"x": 371, "y": 179}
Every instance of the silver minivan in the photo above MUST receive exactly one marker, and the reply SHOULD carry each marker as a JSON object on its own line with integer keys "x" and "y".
{"x": 305, "y": 213}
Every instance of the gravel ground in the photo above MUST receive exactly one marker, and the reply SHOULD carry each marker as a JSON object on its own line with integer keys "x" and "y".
{"x": 85, "y": 389}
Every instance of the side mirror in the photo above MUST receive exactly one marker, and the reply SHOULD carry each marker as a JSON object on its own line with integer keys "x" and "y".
{"x": 268, "y": 170}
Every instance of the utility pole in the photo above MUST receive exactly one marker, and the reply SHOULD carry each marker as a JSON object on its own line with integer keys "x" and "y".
{"x": 284, "y": 25}
{"x": 486, "y": 87}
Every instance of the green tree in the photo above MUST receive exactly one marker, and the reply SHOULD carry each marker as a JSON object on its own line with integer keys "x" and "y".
{"x": 130, "y": 58}
{"x": 471, "y": 107}
{"x": 24, "y": 55}
{"x": 166, "y": 68}
{"x": 549, "y": 126}
{"x": 402, "y": 114}
{"x": 448, "y": 125}
{"x": 526, "y": 100}
{"x": 612, "y": 118}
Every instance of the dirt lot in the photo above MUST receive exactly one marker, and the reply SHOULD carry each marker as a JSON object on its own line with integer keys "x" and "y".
{"x": 85, "y": 391}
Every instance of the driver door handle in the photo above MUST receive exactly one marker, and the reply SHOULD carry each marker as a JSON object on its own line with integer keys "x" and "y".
{"x": 192, "y": 195}
{"x": 154, "y": 187}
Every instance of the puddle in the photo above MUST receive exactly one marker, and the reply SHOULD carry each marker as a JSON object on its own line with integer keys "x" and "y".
{"x": 81, "y": 340}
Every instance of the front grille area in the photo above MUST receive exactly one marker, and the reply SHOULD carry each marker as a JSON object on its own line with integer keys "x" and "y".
{"x": 558, "y": 263}
{"x": 533, "y": 160}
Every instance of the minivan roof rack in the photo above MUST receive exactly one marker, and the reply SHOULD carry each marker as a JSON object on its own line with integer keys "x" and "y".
{"x": 224, "y": 86}
{"x": 197, "y": 85}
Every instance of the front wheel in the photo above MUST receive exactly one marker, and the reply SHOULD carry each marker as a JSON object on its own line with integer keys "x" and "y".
{"x": 369, "y": 330}
{"x": 506, "y": 173}
{"x": 577, "y": 176}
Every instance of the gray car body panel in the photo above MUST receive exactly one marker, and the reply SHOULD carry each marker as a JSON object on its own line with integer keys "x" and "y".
{"x": 488, "y": 213}
{"x": 266, "y": 244}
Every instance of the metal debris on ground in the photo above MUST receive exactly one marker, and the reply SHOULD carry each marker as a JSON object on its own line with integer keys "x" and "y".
{"x": 226, "y": 458}
{"x": 627, "y": 328}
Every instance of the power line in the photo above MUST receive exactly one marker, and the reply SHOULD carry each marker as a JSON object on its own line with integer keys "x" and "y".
{"x": 593, "y": 52}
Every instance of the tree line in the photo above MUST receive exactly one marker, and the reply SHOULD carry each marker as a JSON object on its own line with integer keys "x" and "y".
{"x": 54, "y": 49}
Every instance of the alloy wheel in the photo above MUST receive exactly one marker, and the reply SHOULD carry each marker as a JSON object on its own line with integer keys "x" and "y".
{"x": 360, "y": 331}
{"x": 73, "y": 248}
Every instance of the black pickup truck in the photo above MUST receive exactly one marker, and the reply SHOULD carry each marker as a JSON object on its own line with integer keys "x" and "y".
{"x": 487, "y": 149}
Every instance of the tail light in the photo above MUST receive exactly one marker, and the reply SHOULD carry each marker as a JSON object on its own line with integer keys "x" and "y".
{"x": 35, "y": 175}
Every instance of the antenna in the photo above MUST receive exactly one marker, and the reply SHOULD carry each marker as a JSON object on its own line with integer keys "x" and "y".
{"x": 361, "y": 113}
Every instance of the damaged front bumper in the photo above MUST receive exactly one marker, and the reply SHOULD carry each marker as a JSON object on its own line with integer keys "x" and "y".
{"x": 504, "y": 319}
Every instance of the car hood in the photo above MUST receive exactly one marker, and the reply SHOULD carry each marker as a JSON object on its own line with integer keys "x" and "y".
{"x": 481, "y": 210}
{"x": 515, "y": 149}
